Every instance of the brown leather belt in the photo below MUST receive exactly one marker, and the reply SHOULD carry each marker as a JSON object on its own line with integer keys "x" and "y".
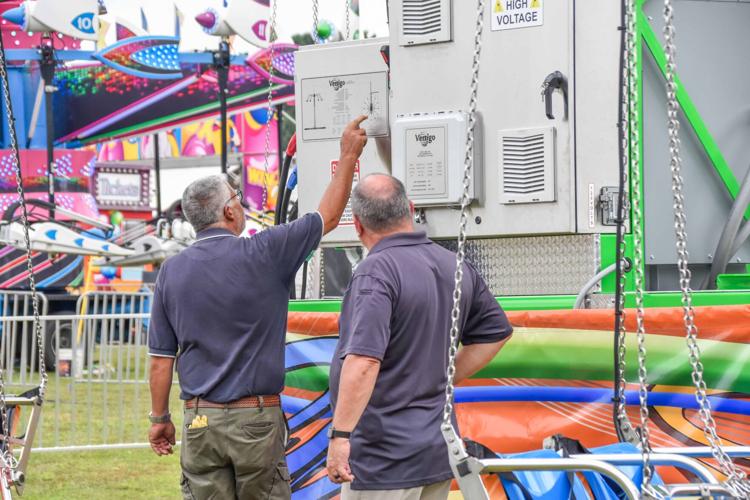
{"x": 247, "y": 402}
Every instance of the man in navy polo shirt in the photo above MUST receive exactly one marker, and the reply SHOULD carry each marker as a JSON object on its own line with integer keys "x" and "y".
{"x": 388, "y": 373}
{"x": 222, "y": 305}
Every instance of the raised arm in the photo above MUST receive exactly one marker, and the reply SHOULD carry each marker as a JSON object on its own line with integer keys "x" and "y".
{"x": 337, "y": 193}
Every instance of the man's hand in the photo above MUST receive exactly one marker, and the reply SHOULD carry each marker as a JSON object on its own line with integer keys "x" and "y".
{"x": 337, "y": 463}
{"x": 353, "y": 140}
{"x": 162, "y": 437}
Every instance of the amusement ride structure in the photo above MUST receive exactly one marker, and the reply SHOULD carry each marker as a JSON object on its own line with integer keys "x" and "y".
{"x": 563, "y": 204}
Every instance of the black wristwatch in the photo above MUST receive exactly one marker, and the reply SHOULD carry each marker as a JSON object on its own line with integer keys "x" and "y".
{"x": 333, "y": 433}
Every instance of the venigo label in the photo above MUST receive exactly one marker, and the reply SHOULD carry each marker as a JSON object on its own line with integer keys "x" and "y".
{"x": 513, "y": 14}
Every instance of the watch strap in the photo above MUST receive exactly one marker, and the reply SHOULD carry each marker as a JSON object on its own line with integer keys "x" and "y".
{"x": 162, "y": 419}
{"x": 334, "y": 433}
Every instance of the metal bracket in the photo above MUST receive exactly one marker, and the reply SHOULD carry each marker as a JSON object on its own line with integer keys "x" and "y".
{"x": 608, "y": 205}
{"x": 465, "y": 468}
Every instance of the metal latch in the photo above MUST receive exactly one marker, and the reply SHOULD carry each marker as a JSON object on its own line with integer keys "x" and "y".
{"x": 608, "y": 206}
{"x": 554, "y": 81}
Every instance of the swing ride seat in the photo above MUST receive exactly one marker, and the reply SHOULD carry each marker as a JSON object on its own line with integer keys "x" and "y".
{"x": 26, "y": 440}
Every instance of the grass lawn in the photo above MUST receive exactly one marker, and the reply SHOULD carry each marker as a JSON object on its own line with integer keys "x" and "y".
{"x": 110, "y": 475}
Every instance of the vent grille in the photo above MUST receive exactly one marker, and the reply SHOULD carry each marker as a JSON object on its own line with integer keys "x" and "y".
{"x": 527, "y": 166}
{"x": 425, "y": 21}
{"x": 422, "y": 17}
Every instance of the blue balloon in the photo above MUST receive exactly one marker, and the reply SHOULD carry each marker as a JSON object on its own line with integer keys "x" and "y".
{"x": 261, "y": 115}
{"x": 108, "y": 272}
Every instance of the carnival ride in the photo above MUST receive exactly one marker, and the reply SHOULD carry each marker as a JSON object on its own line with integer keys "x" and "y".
{"x": 549, "y": 388}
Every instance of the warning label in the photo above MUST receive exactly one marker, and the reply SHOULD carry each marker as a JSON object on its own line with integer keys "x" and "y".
{"x": 513, "y": 14}
{"x": 347, "y": 218}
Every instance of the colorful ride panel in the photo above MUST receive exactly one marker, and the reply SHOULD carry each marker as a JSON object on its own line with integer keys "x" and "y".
{"x": 553, "y": 377}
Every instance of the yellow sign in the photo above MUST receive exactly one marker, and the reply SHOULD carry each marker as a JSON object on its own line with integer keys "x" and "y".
{"x": 498, "y": 6}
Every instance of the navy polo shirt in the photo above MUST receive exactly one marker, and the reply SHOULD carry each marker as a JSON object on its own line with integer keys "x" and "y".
{"x": 221, "y": 307}
{"x": 398, "y": 309}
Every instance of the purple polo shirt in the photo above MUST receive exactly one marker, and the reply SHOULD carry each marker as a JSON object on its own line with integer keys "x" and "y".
{"x": 222, "y": 305}
{"x": 397, "y": 309}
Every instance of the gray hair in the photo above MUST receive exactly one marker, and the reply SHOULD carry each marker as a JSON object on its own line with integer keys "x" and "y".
{"x": 203, "y": 201}
{"x": 380, "y": 208}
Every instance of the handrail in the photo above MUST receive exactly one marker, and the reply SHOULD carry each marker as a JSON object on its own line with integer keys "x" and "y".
{"x": 703, "y": 451}
{"x": 562, "y": 464}
{"x": 666, "y": 459}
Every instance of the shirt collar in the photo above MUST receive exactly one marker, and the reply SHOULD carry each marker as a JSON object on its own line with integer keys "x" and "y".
{"x": 213, "y": 231}
{"x": 401, "y": 240}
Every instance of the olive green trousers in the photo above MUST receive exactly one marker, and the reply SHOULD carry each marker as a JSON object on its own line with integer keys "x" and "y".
{"x": 237, "y": 454}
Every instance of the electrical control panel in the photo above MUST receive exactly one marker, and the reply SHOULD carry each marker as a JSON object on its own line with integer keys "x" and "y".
{"x": 428, "y": 156}
{"x": 335, "y": 83}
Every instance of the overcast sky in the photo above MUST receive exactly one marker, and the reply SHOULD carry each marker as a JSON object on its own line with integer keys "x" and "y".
{"x": 294, "y": 16}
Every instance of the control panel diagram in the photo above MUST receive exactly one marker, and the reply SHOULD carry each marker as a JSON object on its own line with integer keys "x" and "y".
{"x": 330, "y": 103}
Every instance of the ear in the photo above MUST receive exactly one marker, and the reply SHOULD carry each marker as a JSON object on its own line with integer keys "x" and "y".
{"x": 228, "y": 213}
{"x": 411, "y": 208}
{"x": 358, "y": 226}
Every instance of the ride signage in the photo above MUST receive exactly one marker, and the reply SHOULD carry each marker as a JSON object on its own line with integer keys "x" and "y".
{"x": 514, "y": 14}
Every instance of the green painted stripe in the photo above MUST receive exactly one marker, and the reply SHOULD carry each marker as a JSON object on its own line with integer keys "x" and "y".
{"x": 691, "y": 113}
{"x": 587, "y": 355}
{"x": 561, "y": 302}
{"x": 77, "y": 281}
{"x": 178, "y": 116}
{"x": 313, "y": 378}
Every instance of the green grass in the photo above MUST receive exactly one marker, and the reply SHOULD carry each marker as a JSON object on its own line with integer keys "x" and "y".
{"x": 110, "y": 475}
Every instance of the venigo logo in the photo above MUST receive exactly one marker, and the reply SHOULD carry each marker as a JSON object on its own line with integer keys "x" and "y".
{"x": 424, "y": 138}
{"x": 84, "y": 23}
{"x": 336, "y": 83}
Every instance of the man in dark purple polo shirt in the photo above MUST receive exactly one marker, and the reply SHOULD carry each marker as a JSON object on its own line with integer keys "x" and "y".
{"x": 388, "y": 373}
{"x": 220, "y": 308}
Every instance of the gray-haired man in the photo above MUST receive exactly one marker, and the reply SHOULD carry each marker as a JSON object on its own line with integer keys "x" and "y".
{"x": 222, "y": 305}
{"x": 388, "y": 372}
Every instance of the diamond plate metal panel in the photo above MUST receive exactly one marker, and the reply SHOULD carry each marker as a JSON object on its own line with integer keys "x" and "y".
{"x": 547, "y": 265}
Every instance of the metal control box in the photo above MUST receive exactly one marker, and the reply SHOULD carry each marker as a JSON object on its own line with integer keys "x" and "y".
{"x": 334, "y": 84}
{"x": 428, "y": 156}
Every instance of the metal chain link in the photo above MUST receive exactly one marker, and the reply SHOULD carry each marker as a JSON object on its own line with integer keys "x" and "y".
{"x": 465, "y": 200}
{"x": 621, "y": 411}
{"x": 269, "y": 112}
{"x": 348, "y": 20}
{"x": 736, "y": 478}
{"x": 315, "y": 36}
{"x": 633, "y": 149}
{"x": 8, "y": 459}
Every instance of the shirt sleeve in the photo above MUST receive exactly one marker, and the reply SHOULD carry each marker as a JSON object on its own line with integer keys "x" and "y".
{"x": 365, "y": 322}
{"x": 162, "y": 340}
{"x": 487, "y": 322}
{"x": 289, "y": 245}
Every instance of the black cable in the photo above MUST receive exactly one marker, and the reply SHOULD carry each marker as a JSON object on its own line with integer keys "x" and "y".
{"x": 283, "y": 178}
{"x": 619, "y": 274}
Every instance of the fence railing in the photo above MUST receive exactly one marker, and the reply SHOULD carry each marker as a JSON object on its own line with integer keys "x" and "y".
{"x": 97, "y": 395}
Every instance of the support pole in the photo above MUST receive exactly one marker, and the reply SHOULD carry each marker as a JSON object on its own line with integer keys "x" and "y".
{"x": 157, "y": 174}
{"x": 47, "y": 66}
{"x": 279, "y": 122}
{"x": 221, "y": 63}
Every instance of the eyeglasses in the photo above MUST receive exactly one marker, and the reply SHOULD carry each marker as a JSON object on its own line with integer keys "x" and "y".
{"x": 238, "y": 195}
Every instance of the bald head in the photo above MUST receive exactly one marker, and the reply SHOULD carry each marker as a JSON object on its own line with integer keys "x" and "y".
{"x": 380, "y": 203}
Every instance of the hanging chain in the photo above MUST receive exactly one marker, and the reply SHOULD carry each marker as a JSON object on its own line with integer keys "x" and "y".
{"x": 465, "y": 200}
{"x": 621, "y": 411}
{"x": 269, "y": 113}
{"x": 8, "y": 459}
{"x": 736, "y": 478}
{"x": 315, "y": 36}
{"x": 633, "y": 148}
{"x": 348, "y": 18}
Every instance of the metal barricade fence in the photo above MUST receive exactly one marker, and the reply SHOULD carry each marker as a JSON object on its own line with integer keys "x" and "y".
{"x": 98, "y": 393}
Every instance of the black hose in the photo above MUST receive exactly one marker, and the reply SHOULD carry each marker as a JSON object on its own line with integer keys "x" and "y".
{"x": 283, "y": 177}
{"x": 619, "y": 274}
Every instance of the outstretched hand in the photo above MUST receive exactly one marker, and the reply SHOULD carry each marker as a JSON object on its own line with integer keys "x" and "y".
{"x": 162, "y": 438}
{"x": 353, "y": 139}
